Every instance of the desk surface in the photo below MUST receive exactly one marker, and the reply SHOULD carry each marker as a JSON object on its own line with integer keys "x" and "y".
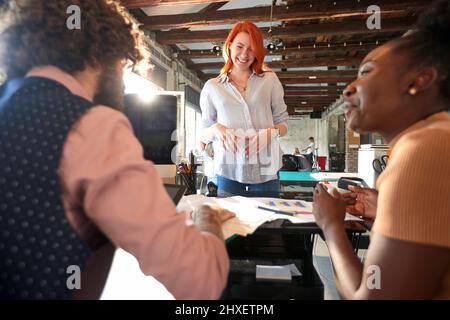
{"x": 313, "y": 176}
{"x": 295, "y": 176}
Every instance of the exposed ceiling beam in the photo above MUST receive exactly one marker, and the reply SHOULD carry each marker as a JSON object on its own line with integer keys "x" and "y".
{"x": 147, "y": 3}
{"x": 291, "y": 108}
{"x": 309, "y": 81}
{"x": 301, "y": 108}
{"x": 138, "y": 13}
{"x": 300, "y": 98}
{"x": 317, "y": 74}
{"x": 314, "y": 88}
{"x": 301, "y": 115}
{"x": 289, "y": 33}
{"x": 334, "y": 49}
{"x": 312, "y": 94}
{"x": 311, "y": 98}
{"x": 301, "y": 11}
{"x": 306, "y": 106}
{"x": 323, "y": 80}
{"x": 306, "y": 77}
{"x": 298, "y": 63}
{"x": 309, "y": 103}
{"x": 213, "y": 7}
{"x": 292, "y": 112}
{"x": 299, "y": 92}
{"x": 293, "y": 63}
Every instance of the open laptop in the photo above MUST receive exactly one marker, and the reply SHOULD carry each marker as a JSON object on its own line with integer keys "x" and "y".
{"x": 175, "y": 191}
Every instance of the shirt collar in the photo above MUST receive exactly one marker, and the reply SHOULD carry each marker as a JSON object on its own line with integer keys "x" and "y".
{"x": 58, "y": 75}
{"x": 226, "y": 77}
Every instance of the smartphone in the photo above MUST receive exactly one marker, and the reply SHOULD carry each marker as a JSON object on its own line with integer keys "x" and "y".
{"x": 345, "y": 182}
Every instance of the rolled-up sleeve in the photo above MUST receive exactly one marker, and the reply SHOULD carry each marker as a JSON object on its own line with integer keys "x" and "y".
{"x": 103, "y": 171}
{"x": 209, "y": 111}
{"x": 279, "y": 108}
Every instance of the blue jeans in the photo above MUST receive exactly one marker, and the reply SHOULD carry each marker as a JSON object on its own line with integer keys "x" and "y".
{"x": 227, "y": 187}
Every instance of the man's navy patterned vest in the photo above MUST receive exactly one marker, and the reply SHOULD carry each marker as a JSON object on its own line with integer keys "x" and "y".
{"x": 40, "y": 252}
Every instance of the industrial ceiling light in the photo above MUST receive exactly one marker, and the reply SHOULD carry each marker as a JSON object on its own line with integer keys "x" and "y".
{"x": 216, "y": 50}
{"x": 271, "y": 47}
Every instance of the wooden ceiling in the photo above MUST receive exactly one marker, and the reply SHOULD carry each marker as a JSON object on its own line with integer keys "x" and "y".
{"x": 320, "y": 43}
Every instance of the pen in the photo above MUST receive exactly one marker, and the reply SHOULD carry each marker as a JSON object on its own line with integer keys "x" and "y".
{"x": 276, "y": 211}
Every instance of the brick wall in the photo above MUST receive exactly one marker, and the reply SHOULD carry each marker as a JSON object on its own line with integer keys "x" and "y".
{"x": 352, "y": 143}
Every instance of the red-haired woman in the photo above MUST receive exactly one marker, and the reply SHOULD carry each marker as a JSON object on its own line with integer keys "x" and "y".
{"x": 244, "y": 114}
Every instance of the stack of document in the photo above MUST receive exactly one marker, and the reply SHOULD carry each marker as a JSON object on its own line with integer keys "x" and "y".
{"x": 253, "y": 212}
{"x": 283, "y": 273}
{"x": 248, "y": 216}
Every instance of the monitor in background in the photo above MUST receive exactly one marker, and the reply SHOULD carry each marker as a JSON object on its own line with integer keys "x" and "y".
{"x": 154, "y": 122}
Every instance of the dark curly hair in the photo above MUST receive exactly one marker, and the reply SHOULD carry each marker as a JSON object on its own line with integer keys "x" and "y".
{"x": 36, "y": 34}
{"x": 428, "y": 45}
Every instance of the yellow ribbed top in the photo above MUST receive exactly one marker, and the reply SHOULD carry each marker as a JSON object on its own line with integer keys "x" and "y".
{"x": 414, "y": 190}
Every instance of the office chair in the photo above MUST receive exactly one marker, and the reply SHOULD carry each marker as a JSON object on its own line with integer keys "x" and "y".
{"x": 304, "y": 164}
{"x": 289, "y": 162}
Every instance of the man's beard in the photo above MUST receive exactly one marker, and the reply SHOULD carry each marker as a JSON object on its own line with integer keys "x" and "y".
{"x": 110, "y": 90}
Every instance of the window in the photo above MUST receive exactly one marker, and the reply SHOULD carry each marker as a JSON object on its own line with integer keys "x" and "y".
{"x": 192, "y": 119}
{"x": 191, "y": 129}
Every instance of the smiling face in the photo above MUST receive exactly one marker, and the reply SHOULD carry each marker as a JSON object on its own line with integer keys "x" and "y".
{"x": 241, "y": 52}
{"x": 377, "y": 98}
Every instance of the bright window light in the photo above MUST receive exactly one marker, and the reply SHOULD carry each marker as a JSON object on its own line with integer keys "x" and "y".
{"x": 134, "y": 83}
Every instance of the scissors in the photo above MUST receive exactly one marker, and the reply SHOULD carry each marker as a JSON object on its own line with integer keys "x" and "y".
{"x": 380, "y": 164}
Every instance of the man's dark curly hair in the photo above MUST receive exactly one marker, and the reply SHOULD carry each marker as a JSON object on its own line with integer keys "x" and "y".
{"x": 36, "y": 34}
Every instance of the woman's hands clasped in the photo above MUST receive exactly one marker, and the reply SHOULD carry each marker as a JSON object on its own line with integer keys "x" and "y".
{"x": 237, "y": 140}
{"x": 226, "y": 136}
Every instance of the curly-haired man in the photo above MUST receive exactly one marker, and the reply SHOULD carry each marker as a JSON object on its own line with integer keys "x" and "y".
{"x": 73, "y": 179}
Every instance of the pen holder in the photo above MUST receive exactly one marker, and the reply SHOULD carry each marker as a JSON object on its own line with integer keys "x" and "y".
{"x": 188, "y": 179}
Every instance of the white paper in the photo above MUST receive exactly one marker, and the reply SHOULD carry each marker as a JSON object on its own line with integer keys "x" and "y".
{"x": 248, "y": 216}
{"x": 273, "y": 273}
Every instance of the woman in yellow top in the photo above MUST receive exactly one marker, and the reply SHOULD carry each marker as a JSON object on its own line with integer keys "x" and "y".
{"x": 402, "y": 92}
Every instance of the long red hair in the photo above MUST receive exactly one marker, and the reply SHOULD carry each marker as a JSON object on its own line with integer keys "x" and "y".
{"x": 257, "y": 45}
